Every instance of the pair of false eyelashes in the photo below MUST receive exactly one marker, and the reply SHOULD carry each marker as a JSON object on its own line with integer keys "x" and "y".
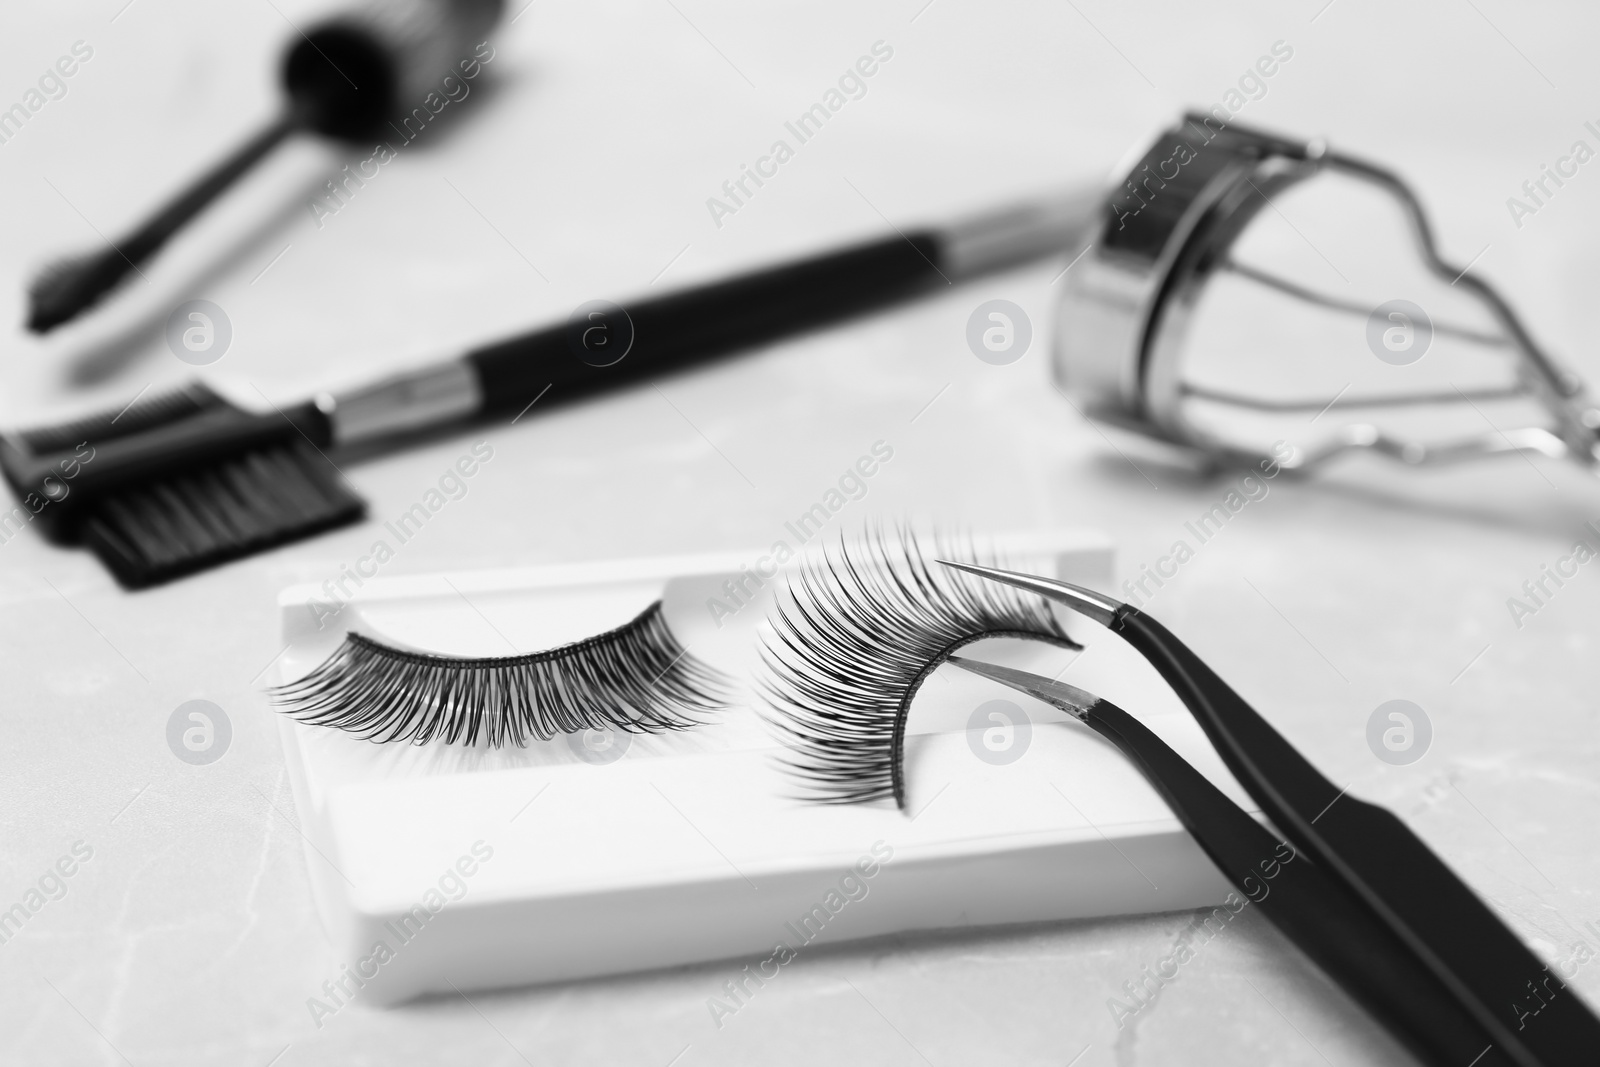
{"x": 852, "y": 638}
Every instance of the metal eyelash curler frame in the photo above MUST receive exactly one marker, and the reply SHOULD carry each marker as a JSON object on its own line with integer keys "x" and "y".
{"x": 1126, "y": 308}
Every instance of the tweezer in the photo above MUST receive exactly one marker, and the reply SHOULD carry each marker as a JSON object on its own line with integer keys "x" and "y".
{"x": 1398, "y": 896}
{"x": 1302, "y": 899}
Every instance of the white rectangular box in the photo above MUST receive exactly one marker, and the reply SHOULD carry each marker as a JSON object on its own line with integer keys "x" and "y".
{"x": 442, "y": 867}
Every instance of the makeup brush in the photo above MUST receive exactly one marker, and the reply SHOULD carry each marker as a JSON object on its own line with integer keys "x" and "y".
{"x": 344, "y": 79}
{"x": 180, "y": 482}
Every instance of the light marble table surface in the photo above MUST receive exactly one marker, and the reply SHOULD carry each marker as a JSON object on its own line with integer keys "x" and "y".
{"x": 189, "y": 936}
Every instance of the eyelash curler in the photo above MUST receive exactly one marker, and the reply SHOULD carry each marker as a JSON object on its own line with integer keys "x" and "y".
{"x": 1172, "y": 234}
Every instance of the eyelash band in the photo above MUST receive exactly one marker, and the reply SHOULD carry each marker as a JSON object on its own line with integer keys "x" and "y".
{"x": 852, "y": 640}
{"x": 636, "y": 678}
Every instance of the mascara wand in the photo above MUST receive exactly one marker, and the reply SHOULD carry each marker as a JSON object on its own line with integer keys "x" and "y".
{"x": 343, "y": 80}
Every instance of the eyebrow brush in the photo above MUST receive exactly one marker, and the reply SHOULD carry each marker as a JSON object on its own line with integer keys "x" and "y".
{"x": 184, "y": 481}
{"x": 344, "y": 80}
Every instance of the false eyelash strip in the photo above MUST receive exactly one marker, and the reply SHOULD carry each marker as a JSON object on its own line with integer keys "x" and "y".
{"x": 636, "y": 678}
{"x": 851, "y": 641}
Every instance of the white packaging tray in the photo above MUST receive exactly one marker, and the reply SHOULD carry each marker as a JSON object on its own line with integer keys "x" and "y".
{"x": 475, "y": 868}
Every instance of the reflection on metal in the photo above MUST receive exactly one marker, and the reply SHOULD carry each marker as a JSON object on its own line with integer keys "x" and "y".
{"x": 1309, "y": 296}
{"x": 1390, "y": 400}
{"x": 1125, "y": 309}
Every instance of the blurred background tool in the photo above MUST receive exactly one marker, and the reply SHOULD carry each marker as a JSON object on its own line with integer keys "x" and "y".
{"x": 182, "y": 481}
{"x": 1194, "y": 282}
{"x": 346, "y": 79}
{"x": 1202, "y": 318}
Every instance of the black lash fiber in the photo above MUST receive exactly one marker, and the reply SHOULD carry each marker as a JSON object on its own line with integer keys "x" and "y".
{"x": 636, "y": 678}
{"x": 852, "y": 639}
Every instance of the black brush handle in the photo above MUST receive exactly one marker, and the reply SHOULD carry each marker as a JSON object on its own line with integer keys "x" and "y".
{"x": 702, "y": 323}
{"x": 1521, "y": 1002}
{"x": 62, "y": 291}
{"x": 1328, "y": 923}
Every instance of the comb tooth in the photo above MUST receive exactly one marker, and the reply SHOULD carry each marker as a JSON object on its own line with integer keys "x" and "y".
{"x": 140, "y": 415}
{"x": 246, "y": 504}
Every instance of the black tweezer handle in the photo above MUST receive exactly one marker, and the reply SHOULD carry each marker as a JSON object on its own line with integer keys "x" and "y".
{"x": 1313, "y": 910}
{"x": 698, "y": 324}
{"x": 1518, "y": 999}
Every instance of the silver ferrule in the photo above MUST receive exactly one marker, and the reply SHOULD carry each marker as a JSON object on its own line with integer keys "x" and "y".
{"x": 404, "y": 403}
{"x": 1019, "y": 233}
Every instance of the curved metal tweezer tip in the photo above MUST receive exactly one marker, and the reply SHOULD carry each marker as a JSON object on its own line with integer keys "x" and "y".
{"x": 1069, "y": 698}
{"x": 1102, "y": 609}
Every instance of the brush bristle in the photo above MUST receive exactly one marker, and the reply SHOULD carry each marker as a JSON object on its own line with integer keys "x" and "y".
{"x": 66, "y": 288}
{"x": 172, "y": 527}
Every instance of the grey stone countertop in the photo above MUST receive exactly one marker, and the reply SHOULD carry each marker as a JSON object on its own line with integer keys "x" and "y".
{"x": 186, "y": 933}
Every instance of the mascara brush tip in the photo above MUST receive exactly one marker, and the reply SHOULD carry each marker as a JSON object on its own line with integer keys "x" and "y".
{"x": 65, "y": 290}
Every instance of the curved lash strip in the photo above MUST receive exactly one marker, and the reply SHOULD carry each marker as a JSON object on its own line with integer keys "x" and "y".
{"x": 636, "y": 678}
{"x": 857, "y": 633}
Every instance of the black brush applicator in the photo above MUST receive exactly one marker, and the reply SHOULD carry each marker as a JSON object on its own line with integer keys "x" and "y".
{"x": 176, "y": 483}
{"x": 344, "y": 79}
